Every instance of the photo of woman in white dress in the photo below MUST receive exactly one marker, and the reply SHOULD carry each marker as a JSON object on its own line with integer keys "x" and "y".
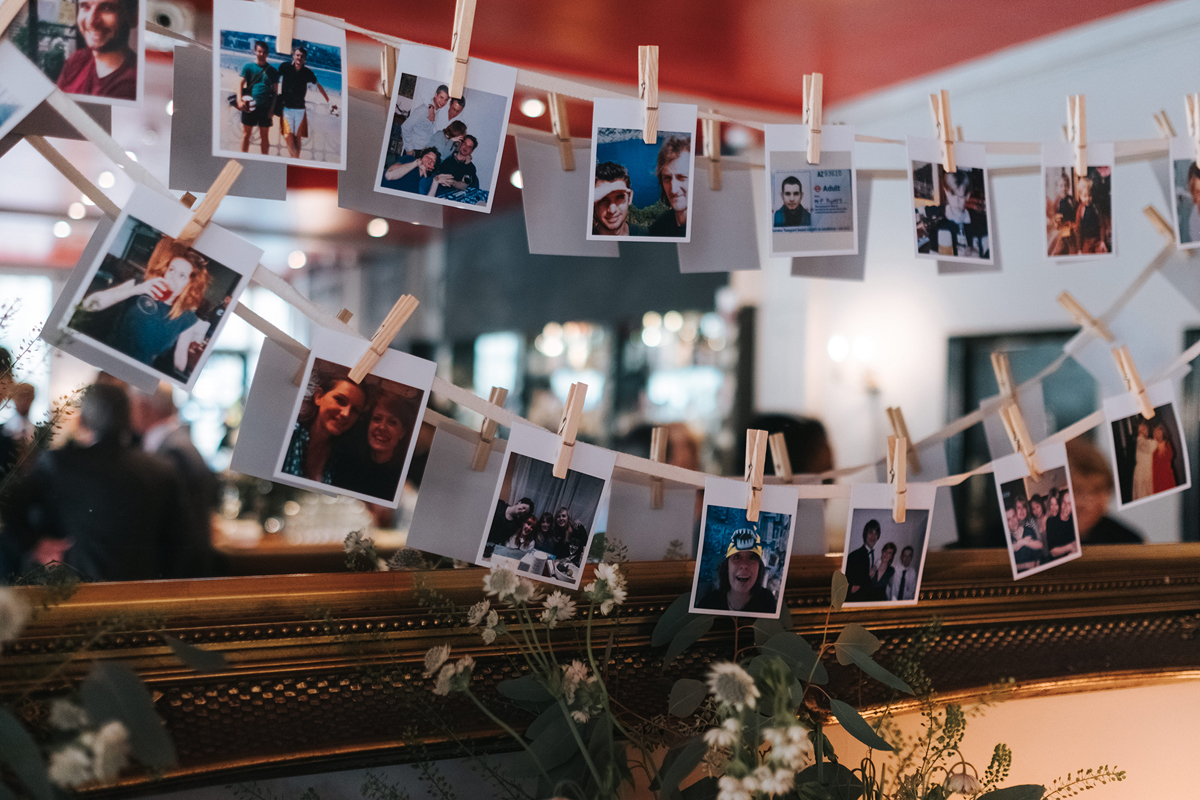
{"x": 1143, "y": 467}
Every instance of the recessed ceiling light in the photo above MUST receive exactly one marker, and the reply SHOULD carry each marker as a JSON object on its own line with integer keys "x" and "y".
{"x": 76, "y": 211}
{"x": 377, "y": 227}
{"x": 62, "y": 229}
{"x": 516, "y": 180}
{"x": 533, "y": 107}
{"x": 297, "y": 259}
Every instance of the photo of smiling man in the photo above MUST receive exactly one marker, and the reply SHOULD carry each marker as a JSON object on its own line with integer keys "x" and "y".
{"x": 611, "y": 196}
{"x": 89, "y": 48}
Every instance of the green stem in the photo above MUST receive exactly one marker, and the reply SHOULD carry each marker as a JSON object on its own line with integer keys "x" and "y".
{"x": 587, "y": 757}
{"x": 520, "y": 739}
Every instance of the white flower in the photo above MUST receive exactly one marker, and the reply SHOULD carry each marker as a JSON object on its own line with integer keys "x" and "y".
{"x": 732, "y": 685}
{"x": 14, "y": 614}
{"x": 559, "y": 607}
{"x": 488, "y": 634}
{"x": 608, "y": 589}
{"x": 719, "y": 738}
{"x": 580, "y": 716}
{"x": 573, "y": 675}
{"x": 356, "y": 543}
{"x": 962, "y": 783}
{"x": 773, "y": 782}
{"x": 70, "y": 767}
{"x": 526, "y": 592}
{"x": 731, "y": 789}
{"x": 442, "y": 684}
{"x": 435, "y": 658}
{"x": 500, "y": 583}
{"x": 111, "y": 749}
{"x": 478, "y": 612}
{"x": 454, "y": 677}
{"x": 790, "y": 747}
{"x": 492, "y": 627}
{"x": 66, "y": 716}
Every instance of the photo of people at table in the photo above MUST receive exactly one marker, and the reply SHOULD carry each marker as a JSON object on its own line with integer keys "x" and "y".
{"x": 89, "y": 48}
{"x": 1078, "y": 212}
{"x": 443, "y": 147}
{"x": 354, "y": 436}
{"x": 950, "y": 212}
{"x": 1039, "y": 516}
{"x": 1149, "y": 455}
{"x": 741, "y": 564}
{"x": 154, "y": 301}
{"x": 641, "y": 189}
{"x": 542, "y": 524}
{"x": 883, "y": 557}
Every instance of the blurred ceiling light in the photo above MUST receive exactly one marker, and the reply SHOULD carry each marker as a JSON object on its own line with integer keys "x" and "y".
{"x": 132, "y": 155}
{"x": 87, "y": 201}
{"x": 297, "y": 259}
{"x": 170, "y": 108}
{"x": 652, "y": 319}
{"x": 515, "y": 179}
{"x": 533, "y": 107}
{"x": 652, "y": 337}
{"x": 673, "y": 321}
{"x": 839, "y": 348}
{"x": 106, "y": 180}
{"x": 62, "y": 229}
{"x": 377, "y": 227}
{"x": 76, "y": 211}
{"x": 864, "y": 348}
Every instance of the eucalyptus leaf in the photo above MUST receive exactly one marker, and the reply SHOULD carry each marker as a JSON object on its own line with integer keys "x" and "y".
{"x": 856, "y": 726}
{"x": 799, "y": 655}
{"x": 1024, "y": 791}
{"x": 764, "y": 629}
{"x": 840, "y": 784}
{"x": 686, "y": 696}
{"x": 872, "y": 668}
{"x": 688, "y": 635}
{"x": 706, "y": 788}
{"x": 855, "y": 637}
{"x": 550, "y": 714}
{"x": 674, "y": 618}
{"x": 838, "y": 589}
{"x": 114, "y": 692}
{"x": 686, "y": 758}
{"x": 555, "y": 745}
{"x": 195, "y": 658}
{"x": 525, "y": 688}
{"x": 21, "y": 754}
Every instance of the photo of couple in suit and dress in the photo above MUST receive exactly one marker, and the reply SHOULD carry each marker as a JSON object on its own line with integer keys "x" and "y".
{"x": 886, "y": 564}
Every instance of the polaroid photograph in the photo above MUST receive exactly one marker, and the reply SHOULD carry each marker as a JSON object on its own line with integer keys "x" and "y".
{"x": 1185, "y": 177}
{"x": 441, "y": 149}
{"x": 1079, "y": 218}
{"x": 540, "y": 526}
{"x": 554, "y": 200}
{"x": 845, "y": 268}
{"x": 269, "y": 106}
{"x": 646, "y": 533}
{"x": 1038, "y": 515}
{"x": 1150, "y": 459}
{"x": 813, "y": 207}
{"x": 22, "y": 87}
{"x": 725, "y": 234}
{"x": 952, "y": 215}
{"x": 149, "y": 302}
{"x": 641, "y": 190}
{"x": 353, "y": 438}
{"x": 93, "y": 50}
{"x": 884, "y": 560}
{"x": 741, "y": 566}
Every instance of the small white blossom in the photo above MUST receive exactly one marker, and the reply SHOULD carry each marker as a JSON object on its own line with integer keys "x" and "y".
{"x": 455, "y": 677}
{"x": 962, "y": 783}
{"x": 719, "y": 738}
{"x": 573, "y": 675}
{"x": 526, "y": 592}
{"x": 442, "y": 684}
{"x": 492, "y": 628}
{"x": 732, "y": 685}
{"x": 772, "y": 782}
{"x": 580, "y": 716}
{"x": 111, "y": 749}
{"x": 66, "y": 716}
{"x": 70, "y": 767}
{"x": 500, "y": 583}
{"x": 435, "y": 658}
{"x": 731, "y": 789}
{"x": 14, "y": 614}
{"x": 356, "y": 543}
{"x": 478, "y": 612}
{"x": 559, "y": 608}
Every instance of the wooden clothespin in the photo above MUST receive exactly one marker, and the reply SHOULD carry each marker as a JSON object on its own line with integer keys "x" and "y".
{"x": 810, "y": 114}
{"x": 1082, "y": 318}
{"x": 208, "y": 206}
{"x": 779, "y": 456}
{"x": 345, "y": 315}
{"x": 1011, "y": 416}
{"x": 648, "y": 90}
{"x": 1077, "y": 131}
{"x": 1192, "y": 107}
{"x": 1164, "y": 124}
{"x": 900, "y": 431}
{"x": 383, "y": 337}
{"x": 658, "y": 454}
{"x": 487, "y": 431}
{"x": 188, "y": 199}
{"x": 1159, "y": 221}
{"x": 1133, "y": 380}
{"x": 568, "y": 428}
{"x": 939, "y": 106}
{"x": 8, "y": 12}
{"x": 711, "y": 129}
{"x": 287, "y": 26}
{"x": 387, "y": 69}
{"x": 460, "y": 44}
{"x": 562, "y": 130}
{"x": 756, "y": 456}
{"x": 897, "y": 468}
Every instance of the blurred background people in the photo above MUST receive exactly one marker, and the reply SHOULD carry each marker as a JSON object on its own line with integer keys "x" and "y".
{"x": 156, "y": 422}
{"x": 20, "y": 428}
{"x": 1092, "y": 480}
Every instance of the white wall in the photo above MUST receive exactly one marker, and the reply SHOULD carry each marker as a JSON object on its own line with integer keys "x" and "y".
{"x": 1128, "y": 67}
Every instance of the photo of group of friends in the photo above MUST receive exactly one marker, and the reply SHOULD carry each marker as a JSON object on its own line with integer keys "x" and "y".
{"x": 1038, "y": 510}
{"x": 353, "y": 436}
{"x": 270, "y": 106}
{"x": 90, "y": 49}
{"x": 1185, "y": 177}
{"x": 154, "y": 301}
{"x": 542, "y": 525}
{"x": 1078, "y": 212}
{"x": 741, "y": 565}
{"x": 439, "y": 148}
{"x": 1149, "y": 457}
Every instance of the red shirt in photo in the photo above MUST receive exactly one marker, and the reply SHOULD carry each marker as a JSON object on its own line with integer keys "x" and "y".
{"x": 79, "y": 77}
